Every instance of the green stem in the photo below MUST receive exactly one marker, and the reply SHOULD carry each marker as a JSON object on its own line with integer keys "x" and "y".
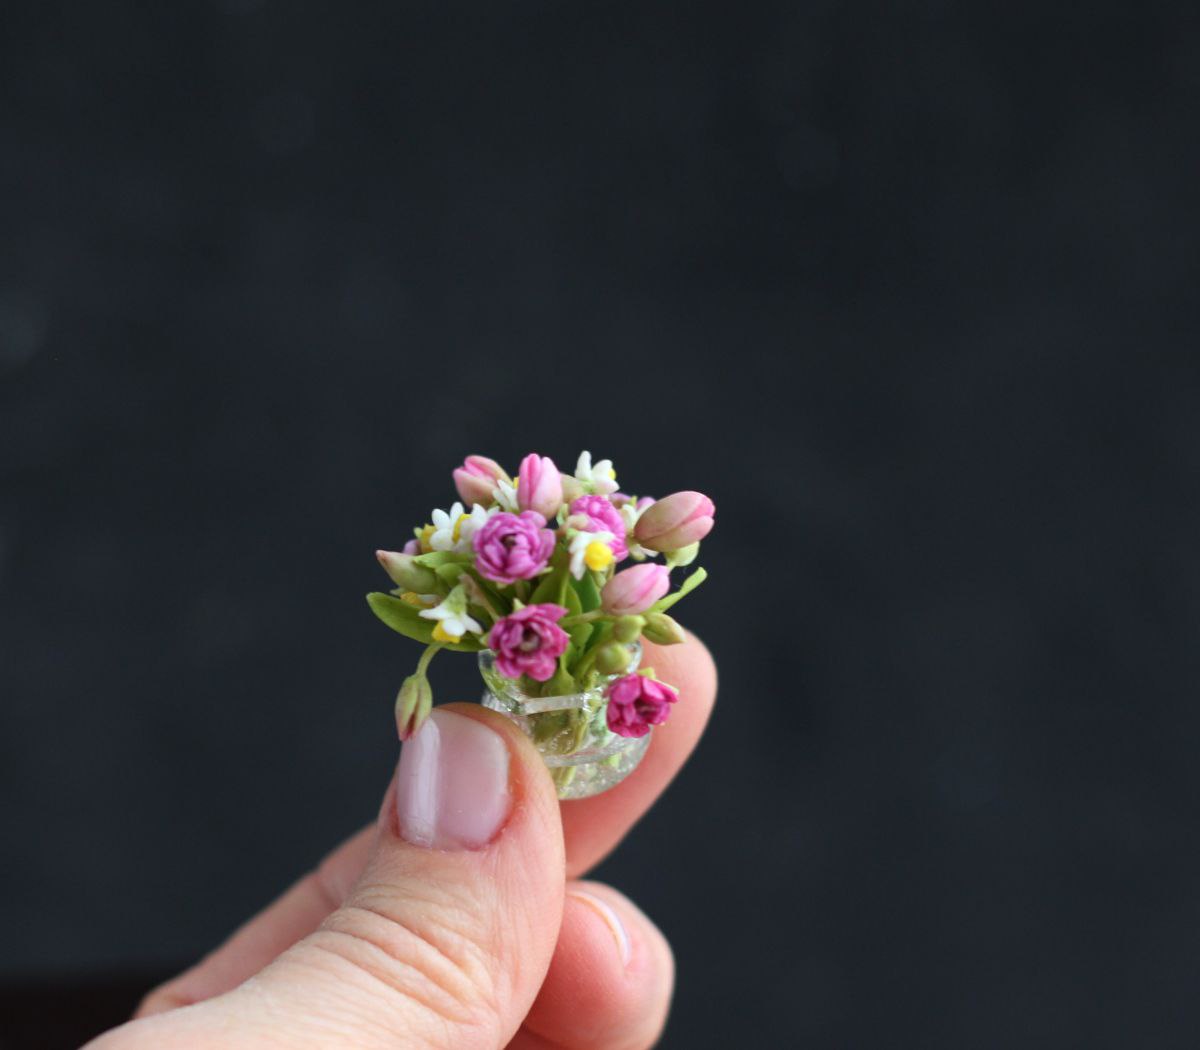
{"x": 579, "y": 618}
{"x": 426, "y": 656}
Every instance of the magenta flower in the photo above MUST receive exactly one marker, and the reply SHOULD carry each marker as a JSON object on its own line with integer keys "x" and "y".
{"x": 539, "y": 485}
{"x": 476, "y": 478}
{"x": 635, "y": 703}
{"x": 529, "y": 641}
{"x": 634, "y": 590}
{"x": 675, "y": 521}
{"x": 602, "y": 516}
{"x": 509, "y": 547}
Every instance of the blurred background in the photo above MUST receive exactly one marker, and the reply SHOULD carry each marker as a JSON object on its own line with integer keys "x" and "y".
{"x": 910, "y": 290}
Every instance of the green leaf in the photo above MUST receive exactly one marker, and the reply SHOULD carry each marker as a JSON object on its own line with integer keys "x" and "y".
{"x": 436, "y": 558}
{"x": 404, "y": 619}
{"x": 579, "y": 632}
{"x": 685, "y": 588}
{"x": 550, "y": 588}
{"x": 449, "y": 572}
{"x": 589, "y": 594}
{"x": 501, "y": 601}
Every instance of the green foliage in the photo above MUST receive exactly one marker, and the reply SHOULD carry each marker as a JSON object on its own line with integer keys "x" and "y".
{"x": 589, "y": 594}
{"x": 436, "y": 558}
{"x": 406, "y": 620}
{"x": 685, "y": 588}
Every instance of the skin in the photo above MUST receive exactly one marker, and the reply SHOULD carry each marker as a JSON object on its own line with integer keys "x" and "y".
{"x": 389, "y": 944}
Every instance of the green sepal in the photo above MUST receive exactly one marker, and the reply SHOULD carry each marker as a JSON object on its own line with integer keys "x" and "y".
{"x": 685, "y": 588}
{"x": 684, "y": 556}
{"x": 404, "y": 619}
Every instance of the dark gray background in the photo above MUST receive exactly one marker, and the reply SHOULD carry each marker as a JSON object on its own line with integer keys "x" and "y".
{"x": 910, "y": 292}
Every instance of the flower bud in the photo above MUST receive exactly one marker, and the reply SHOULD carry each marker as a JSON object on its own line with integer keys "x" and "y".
{"x": 413, "y": 704}
{"x": 662, "y": 630}
{"x": 627, "y": 629}
{"x": 406, "y": 573}
{"x": 539, "y": 486}
{"x": 476, "y": 478}
{"x": 612, "y": 658}
{"x": 634, "y": 590}
{"x": 675, "y": 521}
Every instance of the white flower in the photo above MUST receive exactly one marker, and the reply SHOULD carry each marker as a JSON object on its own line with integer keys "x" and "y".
{"x": 600, "y": 479}
{"x": 590, "y": 550}
{"x": 505, "y": 494}
{"x": 453, "y": 620}
{"x": 444, "y": 528}
{"x": 452, "y": 529}
{"x": 629, "y": 515}
{"x": 470, "y": 524}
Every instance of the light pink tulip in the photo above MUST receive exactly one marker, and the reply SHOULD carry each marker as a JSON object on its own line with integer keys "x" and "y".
{"x": 634, "y": 590}
{"x": 539, "y": 486}
{"x": 675, "y": 521}
{"x": 476, "y": 478}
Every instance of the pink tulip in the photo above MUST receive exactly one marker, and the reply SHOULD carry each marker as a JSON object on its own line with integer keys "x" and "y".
{"x": 675, "y": 521}
{"x": 539, "y": 486}
{"x": 635, "y": 703}
{"x": 476, "y": 478}
{"x": 634, "y": 590}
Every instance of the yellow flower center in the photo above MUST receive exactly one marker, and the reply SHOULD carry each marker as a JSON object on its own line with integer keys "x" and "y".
{"x": 597, "y": 555}
{"x": 423, "y": 539}
{"x": 458, "y": 526}
{"x": 440, "y": 634}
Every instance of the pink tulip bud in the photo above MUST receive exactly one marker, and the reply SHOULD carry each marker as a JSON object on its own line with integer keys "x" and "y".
{"x": 539, "y": 486}
{"x": 476, "y": 478}
{"x": 634, "y": 590}
{"x": 675, "y": 521}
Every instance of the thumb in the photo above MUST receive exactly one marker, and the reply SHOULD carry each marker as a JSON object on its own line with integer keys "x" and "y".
{"x": 445, "y": 939}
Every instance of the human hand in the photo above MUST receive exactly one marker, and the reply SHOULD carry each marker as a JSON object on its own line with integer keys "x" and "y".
{"x": 458, "y": 921}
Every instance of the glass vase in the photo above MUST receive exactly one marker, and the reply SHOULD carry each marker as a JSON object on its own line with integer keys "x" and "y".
{"x": 570, "y": 732}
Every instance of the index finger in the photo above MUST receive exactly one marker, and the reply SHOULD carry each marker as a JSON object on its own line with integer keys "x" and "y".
{"x": 592, "y": 827}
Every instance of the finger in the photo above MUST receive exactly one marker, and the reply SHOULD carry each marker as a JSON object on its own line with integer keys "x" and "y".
{"x": 300, "y": 910}
{"x": 610, "y": 981}
{"x": 592, "y": 827}
{"x": 445, "y": 939}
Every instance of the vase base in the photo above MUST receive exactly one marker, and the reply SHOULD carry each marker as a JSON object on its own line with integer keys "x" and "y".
{"x": 586, "y": 772}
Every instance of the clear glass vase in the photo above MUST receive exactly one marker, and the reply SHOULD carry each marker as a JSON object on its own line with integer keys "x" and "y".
{"x": 570, "y": 732}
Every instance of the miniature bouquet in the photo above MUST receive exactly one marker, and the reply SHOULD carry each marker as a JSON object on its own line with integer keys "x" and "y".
{"x": 526, "y": 573}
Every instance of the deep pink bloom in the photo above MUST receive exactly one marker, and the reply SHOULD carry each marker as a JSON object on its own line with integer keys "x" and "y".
{"x": 511, "y": 547}
{"x": 539, "y": 485}
{"x": 675, "y": 521}
{"x": 476, "y": 478}
{"x": 602, "y": 516}
{"x": 635, "y": 703}
{"x": 635, "y": 590}
{"x": 529, "y": 641}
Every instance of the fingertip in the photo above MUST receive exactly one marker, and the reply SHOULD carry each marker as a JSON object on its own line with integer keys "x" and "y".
{"x": 611, "y": 978}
